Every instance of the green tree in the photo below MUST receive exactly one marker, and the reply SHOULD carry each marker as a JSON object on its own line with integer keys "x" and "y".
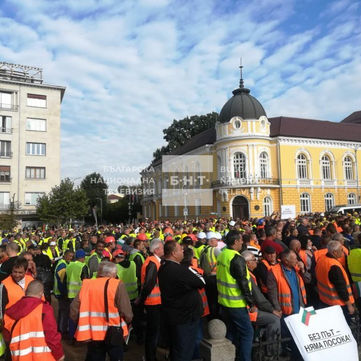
{"x": 95, "y": 187}
{"x": 180, "y": 131}
{"x": 63, "y": 204}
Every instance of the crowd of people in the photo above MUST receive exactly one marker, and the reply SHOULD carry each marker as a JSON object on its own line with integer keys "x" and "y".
{"x": 160, "y": 282}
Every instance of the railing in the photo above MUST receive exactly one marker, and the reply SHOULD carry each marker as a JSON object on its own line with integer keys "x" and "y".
{"x": 226, "y": 182}
{"x": 9, "y": 107}
{"x": 5, "y": 179}
{"x": 6, "y": 130}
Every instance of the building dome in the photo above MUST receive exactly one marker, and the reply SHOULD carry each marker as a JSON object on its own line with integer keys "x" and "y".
{"x": 242, "y": 104}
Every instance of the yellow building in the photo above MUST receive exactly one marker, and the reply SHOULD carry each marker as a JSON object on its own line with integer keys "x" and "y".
{"x": 259, "y": 164}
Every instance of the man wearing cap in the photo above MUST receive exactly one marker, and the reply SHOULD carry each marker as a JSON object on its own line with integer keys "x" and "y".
{"x": 268, "y": 260}
{"x": 200, "y": 244}
{"x": 76, "y": 272}
{"x": 53, "y": 251}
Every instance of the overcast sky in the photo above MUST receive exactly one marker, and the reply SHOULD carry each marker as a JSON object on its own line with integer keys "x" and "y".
{"x": 131, "y": 67}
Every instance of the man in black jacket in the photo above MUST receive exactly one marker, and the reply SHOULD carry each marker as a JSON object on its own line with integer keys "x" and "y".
{"x": 181, "y": 302}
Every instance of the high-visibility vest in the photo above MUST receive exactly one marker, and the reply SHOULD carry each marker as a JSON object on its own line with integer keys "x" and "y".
{"x": 342, "y": 259}
{"x": 303, "y": 255}
{"x": 211, "y": 258}
{"x": 154, "y": 297}
{"x": 284, "y": 289}
{"x": 253, "y": 315}
{"x": 50, "y": 254}
{"x": 264, "y": 288}
{"x": 56, "y": 285}
{"x": 229, "y": 293}
{"x": 129, "y": 278}
{"x": 27, "y": 339}
{"x": 66, "y": 242}
{"x": 138, "y": 253}
{"x": 198, "y": 250}
{"x": 354, "y": 264}
{"x": 320, "y": 253}
{"x": 326, "y": 290}
{"x": 15, "y": 292}
{"x": 202, "y": 292}
{"x": 73, "y": 278}
{"x": 92, "y": 324}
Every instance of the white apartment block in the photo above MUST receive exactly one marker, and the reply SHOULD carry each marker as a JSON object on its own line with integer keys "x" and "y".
{"x": 29, "y": 137}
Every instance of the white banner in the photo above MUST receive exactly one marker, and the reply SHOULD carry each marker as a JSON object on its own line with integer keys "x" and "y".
{"x": 288, "y": 211}
{"x": 323, "y": 335}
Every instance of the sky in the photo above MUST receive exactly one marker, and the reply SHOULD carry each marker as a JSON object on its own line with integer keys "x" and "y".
{"x": 130, "y": 67}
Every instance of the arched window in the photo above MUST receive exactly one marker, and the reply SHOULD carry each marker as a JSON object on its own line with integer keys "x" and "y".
{"x": 305, "y": 201}
{"x": 263, "y": 164}
{"x": 348, "y": 167}
{"x": 329, "y": 201}
{"x": 351, "y": 198}
{"x": 239, "y": 166}
{"x": 326, "y": 167}
{"x": 301, "y": 164}
{"x": 267, "y": 206}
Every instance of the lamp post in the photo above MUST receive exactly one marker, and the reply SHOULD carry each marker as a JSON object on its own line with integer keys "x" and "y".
{"x": 357, "y": 184}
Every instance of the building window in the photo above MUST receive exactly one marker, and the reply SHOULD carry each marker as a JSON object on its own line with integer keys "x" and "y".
{"x": 302, "y": 166}
{"x": 35, "y": 172}
{"x": 351, "y": 198}
{"x": 31, "y": 198}
{"x": 5, "y": 124}
{"x": 4, "y": 200}
{"x": 305, "y": 203}
{"x": 239, "y": 166}
{"x": 267, "y": 206}
{"x": 329, "y": 201}
{"x": 348, "y": 166}
{"x": 36, "y": 100}
{"x": 5, "y": 100}
{"x": 35, "y": 149}
{"x": 5, "y": 149}
{"x": 263, "y": 163}
{"x": 4, "y": 173}
{"x": 36, "y": 124}
{"x": 326, "y": 167}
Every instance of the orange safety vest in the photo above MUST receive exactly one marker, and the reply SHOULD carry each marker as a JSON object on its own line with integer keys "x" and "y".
{"x": 253, "y": 315}
{"x": 154, "y": 297}
{"x": 303, "y": 255}
{"x": 320, "y": 253}
{"x": 284, "y": 289}
{"x": 15, "y": 292}
{"x": 326, "y": 289}
{"x": 27, "y": 337}
{"x": 264, "y": 288}
{"x": 92, "y": 323}
{"x": 203, "y": 294}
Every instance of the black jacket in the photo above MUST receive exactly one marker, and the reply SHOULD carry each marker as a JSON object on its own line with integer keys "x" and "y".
{"x": 238, "y": 270}
{"x": 181, "y": 301}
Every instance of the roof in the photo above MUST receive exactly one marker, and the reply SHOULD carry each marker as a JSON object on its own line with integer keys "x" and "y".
{"x": 312, "y": 128}
{"x": 355, "y": 117}
{"x": 242, "y": 104}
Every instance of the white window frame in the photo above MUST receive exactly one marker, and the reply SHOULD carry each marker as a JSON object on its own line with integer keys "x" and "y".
{"x": 264, "y": 165}
{"x": 267, "y": 206}
{"x": 6, "y": 100}
{"x": 35, "y": 148}
{"x": 348, "y": 167}
{"x": 30, "y": 198}
{"x": 36, "y": 124}
{"x": 329, "y": 199}
{"x": 239, "y": 165}
{"x": 305, "y": 202}
{"x": 326, "y": 167}
{"x": 351, "y": 199}
{"x": 4, "y": 200}
{"x": 35, "y": 172}
{"x": 302, "y": 166}
{"x": 5, "y": 124}
{"x": 36, "y": 100}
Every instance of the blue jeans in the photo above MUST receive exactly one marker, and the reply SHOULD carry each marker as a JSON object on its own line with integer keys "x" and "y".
{"x": 239, "y": 331}
{"x": 183, "y": 339}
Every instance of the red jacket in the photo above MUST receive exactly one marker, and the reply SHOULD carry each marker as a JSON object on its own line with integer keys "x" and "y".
{"x": 52, "y": 337}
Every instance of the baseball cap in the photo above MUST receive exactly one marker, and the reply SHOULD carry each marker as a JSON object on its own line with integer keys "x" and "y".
{"x": 211, "y": 235}
{"x": 79, "y": 254}
{"x": 118, "y": 253}
{"x": 110, "y": 239}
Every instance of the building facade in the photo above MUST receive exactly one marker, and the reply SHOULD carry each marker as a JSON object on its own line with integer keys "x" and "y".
{"x": 29, "y": 137}
{"x": 261, "y": 163}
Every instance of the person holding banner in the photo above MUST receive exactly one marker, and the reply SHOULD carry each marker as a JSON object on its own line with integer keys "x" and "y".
{"x": 333, "y": 284}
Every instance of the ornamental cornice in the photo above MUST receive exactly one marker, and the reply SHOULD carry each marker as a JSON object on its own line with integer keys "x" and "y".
{"x": 318, "y": 142}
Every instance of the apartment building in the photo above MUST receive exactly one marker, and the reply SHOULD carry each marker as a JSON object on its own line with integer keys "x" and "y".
{"x": 29, "y": 137}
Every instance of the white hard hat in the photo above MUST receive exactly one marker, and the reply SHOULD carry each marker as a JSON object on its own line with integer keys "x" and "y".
{"x": 201, "y": 235}
{"x": 232, "y": 223}
{"x": 218, "y": 235}
{"x": 211, "y": 235}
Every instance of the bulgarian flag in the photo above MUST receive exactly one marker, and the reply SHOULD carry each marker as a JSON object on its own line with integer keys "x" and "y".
{"x": 307, "y": 315}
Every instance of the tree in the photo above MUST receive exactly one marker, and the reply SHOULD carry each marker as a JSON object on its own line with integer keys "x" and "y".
{"x": 63, "y": 204}
{"x": 182, "y": 130}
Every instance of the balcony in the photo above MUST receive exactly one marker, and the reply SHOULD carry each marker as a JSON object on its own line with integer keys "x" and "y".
{"x": 6, "y": 154}
{"x": 241, "y": 182}
{"x": 9, "y": 107}
{"x": 6, "y": 130}
{"x": 5, "y": 179}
